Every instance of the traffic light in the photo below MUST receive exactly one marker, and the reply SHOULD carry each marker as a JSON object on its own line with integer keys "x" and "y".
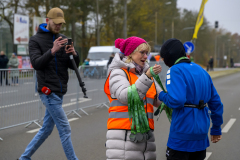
{"x": 216, "y": 24}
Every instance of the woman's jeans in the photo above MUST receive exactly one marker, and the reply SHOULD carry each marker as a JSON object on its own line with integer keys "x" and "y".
{"x": 54, "y": 115}
{"x": 15, "y": 80}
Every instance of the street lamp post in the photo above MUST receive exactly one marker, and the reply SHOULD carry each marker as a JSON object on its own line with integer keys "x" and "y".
{"x": 125, "y": 20}
{"x": 98, "y": 37}
{"x": 215, "y": 53}
{"x": 155, "y": 28}
{"x": 1, "y": 35}
{"x": 167, "y": 3}
{"x": 186, "y": 28}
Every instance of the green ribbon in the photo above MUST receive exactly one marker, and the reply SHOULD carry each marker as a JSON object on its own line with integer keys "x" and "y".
{"x": 162, "y": 105}
{"x": 180, "y": 59}
{"x": 136, "y": 112}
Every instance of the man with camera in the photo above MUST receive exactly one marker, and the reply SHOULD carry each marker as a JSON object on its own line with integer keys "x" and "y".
{"x": 49, "y": 53}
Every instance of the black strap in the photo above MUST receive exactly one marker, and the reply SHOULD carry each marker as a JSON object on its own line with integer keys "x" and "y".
{"x": 200, "y": 106}
{"x": 125, "y": 135}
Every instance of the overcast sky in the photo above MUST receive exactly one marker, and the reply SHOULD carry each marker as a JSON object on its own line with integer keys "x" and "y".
{"x": 226, "y": 12}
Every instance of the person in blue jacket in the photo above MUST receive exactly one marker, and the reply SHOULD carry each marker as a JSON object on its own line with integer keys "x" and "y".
{"x": 194, "y": 100}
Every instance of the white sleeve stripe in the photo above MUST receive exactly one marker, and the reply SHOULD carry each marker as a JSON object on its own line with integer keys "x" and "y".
{"x": 168, "y": 71}
{"x": 168, "y": 76}
{"x": 168, "y": 82}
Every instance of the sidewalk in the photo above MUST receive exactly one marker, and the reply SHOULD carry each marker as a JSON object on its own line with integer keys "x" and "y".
{"x": 219, "y": 72}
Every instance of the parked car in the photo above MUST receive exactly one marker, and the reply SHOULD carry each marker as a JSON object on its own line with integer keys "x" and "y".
{"x": 99, "y": 56}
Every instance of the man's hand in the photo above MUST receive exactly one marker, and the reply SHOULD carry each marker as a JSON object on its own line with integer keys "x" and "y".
{"x": 57, "y": 44}
{"x": 70, "y": 49}
{"x": 216, "y": 138}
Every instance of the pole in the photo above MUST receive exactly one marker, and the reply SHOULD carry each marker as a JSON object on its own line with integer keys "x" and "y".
{"x": 1, "y": 40}
{"x": 155, "y": 28}
{"x": 81, "y": 83}
{"x": 98, "y": 38}
{"x": 163, "y": 31}
{"x": 172, "y": 28}
{"x": 125, "y": 20}
{"x": 215, "y": 54}
{"x": 218, "y": 56}
{"x": 228, "y": 52}
{"x": 1, "y": 35}
{"x": 223, "y": 55}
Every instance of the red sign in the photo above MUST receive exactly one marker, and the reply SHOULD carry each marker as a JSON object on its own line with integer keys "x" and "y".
{"x": 20, "y": 61}
{"x": 19, "y": 39}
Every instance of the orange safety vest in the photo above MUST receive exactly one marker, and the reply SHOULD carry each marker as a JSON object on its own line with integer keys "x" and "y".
{"x": 118, "y": 112}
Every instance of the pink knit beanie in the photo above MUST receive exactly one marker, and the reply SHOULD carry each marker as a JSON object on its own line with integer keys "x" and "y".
{"x": 127, "y": 46}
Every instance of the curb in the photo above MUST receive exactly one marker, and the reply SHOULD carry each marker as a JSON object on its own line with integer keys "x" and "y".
{"x": 217, "y": 74}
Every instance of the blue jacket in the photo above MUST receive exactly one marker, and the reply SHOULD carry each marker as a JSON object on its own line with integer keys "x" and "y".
{"x": 188, "y": 83}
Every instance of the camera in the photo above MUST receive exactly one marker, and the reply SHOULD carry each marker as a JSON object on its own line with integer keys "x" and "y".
{"x": 69, "y": 41}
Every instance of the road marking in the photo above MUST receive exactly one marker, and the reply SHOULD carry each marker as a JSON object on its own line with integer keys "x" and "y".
{"x": 36, "y": 130}
{"x": 9, "y": 92}
{"x": 73, "y": 119}
{"x": 27, "y": 102}
{"x": 239, "y": 108}
{"x": 64, "y": 105}
{"x": 81, "y": 101}
{"x": 16, "y": 104}
{"x": 228, "y": 125}
{"x": 28, "y": 83}
{"x": 208, "y": 154}
{"x": 81, "y": 92}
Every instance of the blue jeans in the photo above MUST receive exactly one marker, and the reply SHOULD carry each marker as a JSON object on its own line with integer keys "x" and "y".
{"x": 54, "y": 115}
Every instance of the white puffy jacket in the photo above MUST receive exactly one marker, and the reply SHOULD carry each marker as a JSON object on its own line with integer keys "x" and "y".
{"x": 119, "y": 146}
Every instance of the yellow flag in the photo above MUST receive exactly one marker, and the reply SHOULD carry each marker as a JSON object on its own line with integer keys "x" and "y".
{"x": 199, "y": 19}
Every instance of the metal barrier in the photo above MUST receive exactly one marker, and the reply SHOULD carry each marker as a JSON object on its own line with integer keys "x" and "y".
{"x": 21, "y": 105}
{"x": 18, "y": 103}
{"x": 94, "y": 78}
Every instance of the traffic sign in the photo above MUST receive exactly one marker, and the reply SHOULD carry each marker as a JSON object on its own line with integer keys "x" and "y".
{"x": 189, "y": 47}
{"x": 21, "y": 29}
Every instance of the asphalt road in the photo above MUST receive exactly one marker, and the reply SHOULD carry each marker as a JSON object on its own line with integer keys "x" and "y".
{"x": 89, "y": 132}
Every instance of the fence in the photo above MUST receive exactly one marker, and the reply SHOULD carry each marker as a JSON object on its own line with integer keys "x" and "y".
{"x": 21, "y": 105}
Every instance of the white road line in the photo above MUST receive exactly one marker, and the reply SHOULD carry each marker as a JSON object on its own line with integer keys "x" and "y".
{"x": 73, "y": 119}
{"x": 228, "y": 125}
{"x": 208, "y": 154}
{"x": 36, "y": 130}
{"x": 9, "y": 92}
{"x": 16, "y": 104}
{"x": 70, "y": 94}
{"x": 64, "y": 105}
{"x": 239, "y": 108}
{"x": 28, "y": 83}
{"x": 81, "y": 101}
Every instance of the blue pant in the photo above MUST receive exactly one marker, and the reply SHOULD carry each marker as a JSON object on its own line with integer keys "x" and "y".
{"x": 54, "y": 115}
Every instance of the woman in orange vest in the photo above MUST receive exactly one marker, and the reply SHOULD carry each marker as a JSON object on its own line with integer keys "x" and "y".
{"x": 127, "y": 68}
